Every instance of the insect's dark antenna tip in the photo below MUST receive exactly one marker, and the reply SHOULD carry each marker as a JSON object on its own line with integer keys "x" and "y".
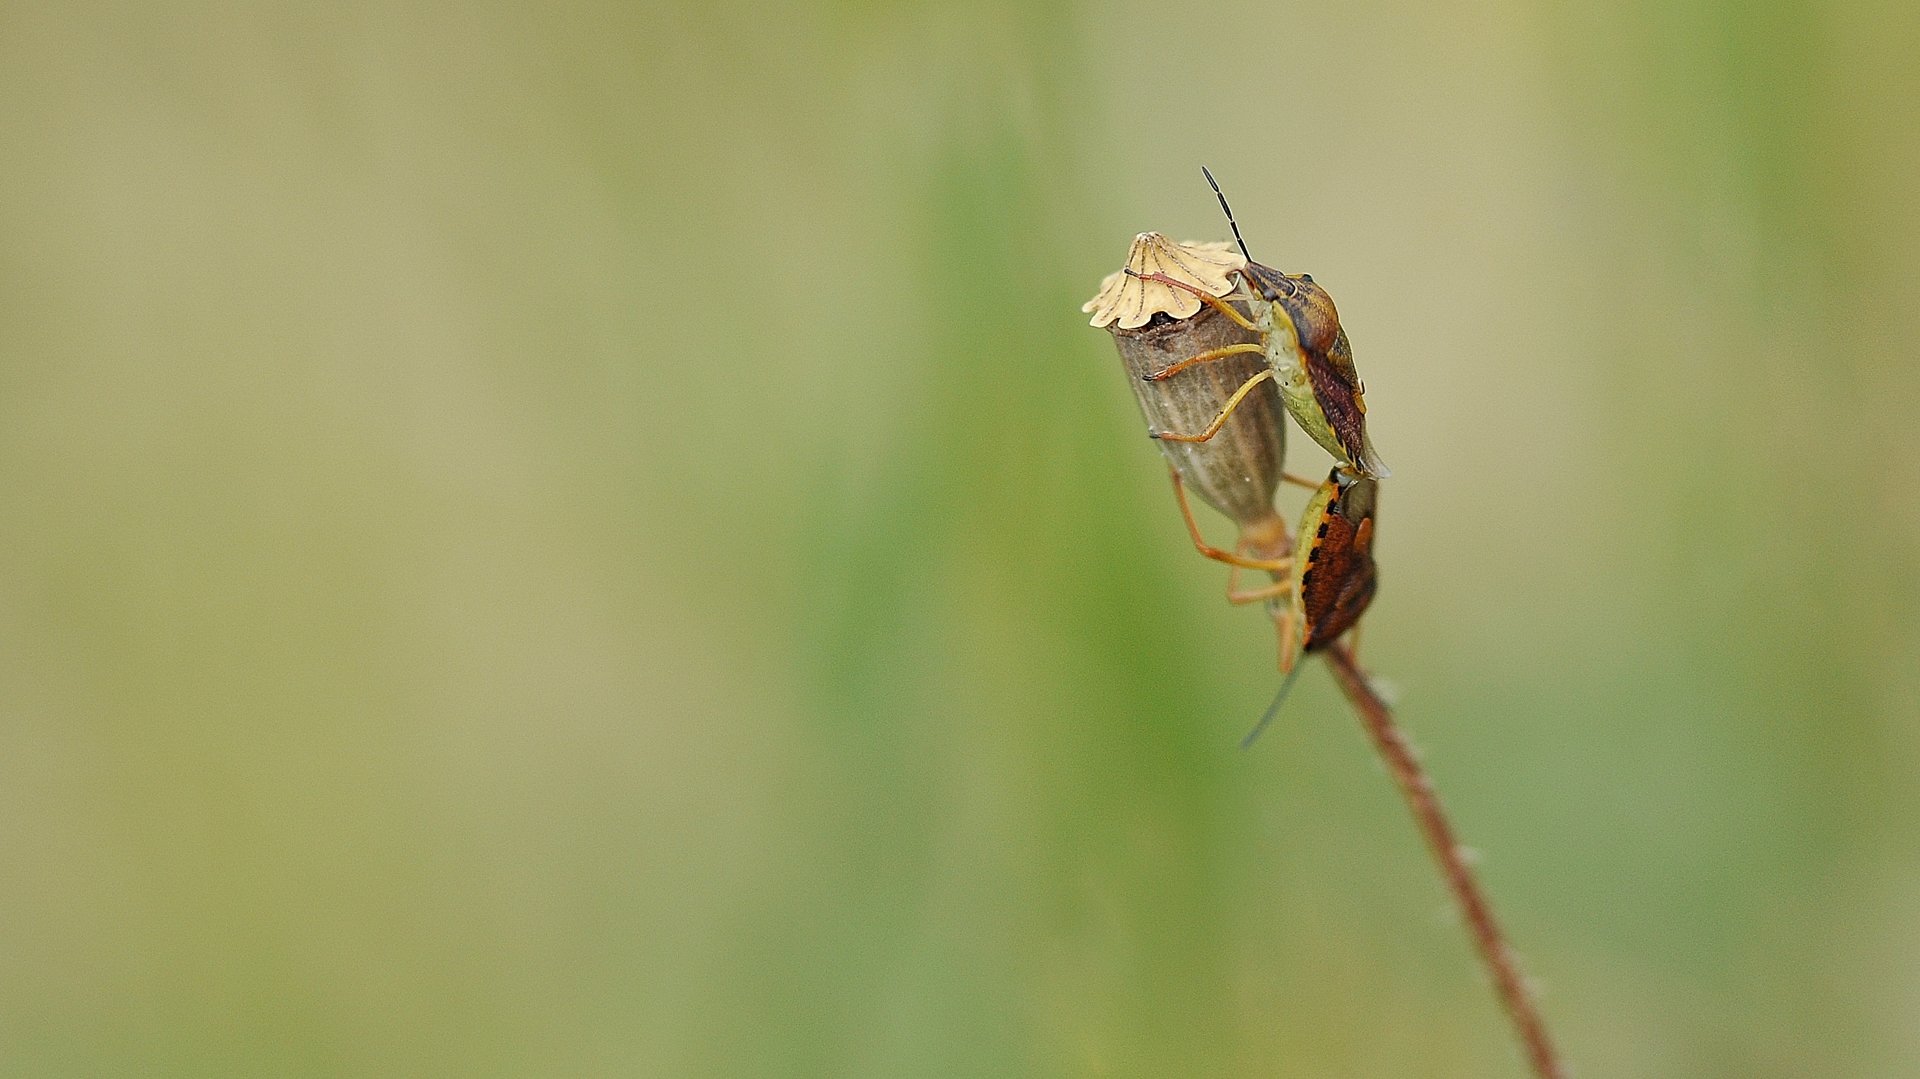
{"x": 1279, "y": 699}
{"x": 1235, "y": 225}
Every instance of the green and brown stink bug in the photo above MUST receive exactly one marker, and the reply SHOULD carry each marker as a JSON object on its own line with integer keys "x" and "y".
{"x": 1307, "y": 353}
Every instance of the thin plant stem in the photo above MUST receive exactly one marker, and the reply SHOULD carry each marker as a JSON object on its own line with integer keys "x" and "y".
{"x": 1424, "y": 803}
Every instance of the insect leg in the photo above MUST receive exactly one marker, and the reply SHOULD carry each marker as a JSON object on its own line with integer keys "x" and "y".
{"x": 1219, "y": 421}
{"x": 1231, "y": 558}
{"x": 1212, "y": 301}
{"x": 1288, "y": 640}
{"x": 1255, "y": 595}
{"x": 1173, "y": 369}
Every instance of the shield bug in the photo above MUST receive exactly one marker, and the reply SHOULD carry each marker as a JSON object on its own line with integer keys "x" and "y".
{"x": 1334, "y": 576}
{"x": 1334, "y": 572}
{"x": 1307, "y": 354}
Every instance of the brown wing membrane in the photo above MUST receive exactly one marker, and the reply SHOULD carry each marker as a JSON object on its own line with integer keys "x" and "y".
{"x": 1339, "y": 358}
{"x": 1340, "y": 400}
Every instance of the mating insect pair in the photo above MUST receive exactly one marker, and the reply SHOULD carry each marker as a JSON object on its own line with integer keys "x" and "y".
{"x": 1320, "y": 592}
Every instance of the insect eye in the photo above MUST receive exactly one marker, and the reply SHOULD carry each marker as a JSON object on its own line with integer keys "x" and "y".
{"x": 1307, "y": 277}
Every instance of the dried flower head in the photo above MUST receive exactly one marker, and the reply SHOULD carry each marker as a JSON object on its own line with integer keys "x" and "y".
{"x": 1130, "y": 301}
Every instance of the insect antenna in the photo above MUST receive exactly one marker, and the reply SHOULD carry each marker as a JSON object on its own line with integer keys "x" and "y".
{"x": 1273, "y": 709}
{"x": 1235, "y": 225}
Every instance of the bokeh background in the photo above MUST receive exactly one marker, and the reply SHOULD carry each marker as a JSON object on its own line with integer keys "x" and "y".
{"x": 595, "y": 540}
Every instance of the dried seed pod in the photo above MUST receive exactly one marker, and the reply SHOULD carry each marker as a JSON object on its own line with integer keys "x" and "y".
{"x": 1238, "y": 470}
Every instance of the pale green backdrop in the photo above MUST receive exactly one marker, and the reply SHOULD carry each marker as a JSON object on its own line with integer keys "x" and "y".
{"x": 556, "y": 540}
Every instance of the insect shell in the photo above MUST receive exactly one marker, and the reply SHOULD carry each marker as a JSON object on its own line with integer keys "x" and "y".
{"x": 1334, "y": 572}
{"x": 1313, "y": 363}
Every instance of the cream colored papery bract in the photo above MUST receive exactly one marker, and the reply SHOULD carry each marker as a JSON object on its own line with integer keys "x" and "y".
{"x": 1132, "y": 302}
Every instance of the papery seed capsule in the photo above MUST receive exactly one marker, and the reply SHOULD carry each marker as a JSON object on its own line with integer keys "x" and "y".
{"x": 1238, "y": 470}
{"x": 1163, "y": 277}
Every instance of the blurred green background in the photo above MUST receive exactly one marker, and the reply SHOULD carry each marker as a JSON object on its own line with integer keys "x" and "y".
{"x": 592, "y": 540}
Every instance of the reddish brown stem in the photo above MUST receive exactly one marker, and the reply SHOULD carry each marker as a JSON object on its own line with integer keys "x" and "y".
{"x": 1377, "y": 718}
